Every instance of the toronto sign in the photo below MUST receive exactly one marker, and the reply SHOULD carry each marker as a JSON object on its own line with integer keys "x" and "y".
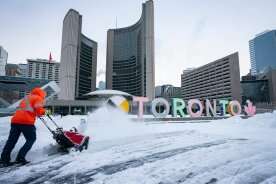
{"x": 195, "y": 107}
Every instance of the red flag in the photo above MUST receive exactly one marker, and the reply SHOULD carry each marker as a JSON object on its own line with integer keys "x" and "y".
{"x": 50, "y": 57}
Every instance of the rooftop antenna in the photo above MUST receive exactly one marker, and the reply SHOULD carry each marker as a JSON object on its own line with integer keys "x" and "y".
{"x": 116, "y": 23}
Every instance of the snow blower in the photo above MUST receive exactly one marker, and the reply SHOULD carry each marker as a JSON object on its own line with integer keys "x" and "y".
{"x": 67, "y": 139}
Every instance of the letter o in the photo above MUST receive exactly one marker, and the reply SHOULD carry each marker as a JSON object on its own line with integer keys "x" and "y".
{"x": 163, "y": 102}
{"x": 232, "y": 105}
{"x": 190, "y": 105}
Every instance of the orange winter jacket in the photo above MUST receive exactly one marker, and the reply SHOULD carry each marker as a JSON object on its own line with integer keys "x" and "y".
{"x": 30, "y": 107}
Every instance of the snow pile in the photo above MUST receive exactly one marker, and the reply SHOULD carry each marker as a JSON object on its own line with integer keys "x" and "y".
{"x": 232, "y": 150}
{"x": 260, "y": 126}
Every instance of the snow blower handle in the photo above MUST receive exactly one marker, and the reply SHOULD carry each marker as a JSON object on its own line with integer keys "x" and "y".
{"x": 52, "y": 120}
{"x": 44, "y": 122}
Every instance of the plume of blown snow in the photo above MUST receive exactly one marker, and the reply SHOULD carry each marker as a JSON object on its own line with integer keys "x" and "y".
{"x": 111, "y": 123}
{"x": 105, "y": 123}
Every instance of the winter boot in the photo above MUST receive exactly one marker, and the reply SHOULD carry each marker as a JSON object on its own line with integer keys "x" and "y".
{"x": 22, "y": 161}
{"x": 4, "y": 163}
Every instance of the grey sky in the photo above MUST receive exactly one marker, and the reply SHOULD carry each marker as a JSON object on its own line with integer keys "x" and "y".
{"x": 188, "y": 33}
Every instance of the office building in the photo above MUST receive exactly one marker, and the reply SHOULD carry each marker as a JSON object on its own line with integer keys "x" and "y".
{"x": 12, "y": 70}
{"x": 168, "y": 92}
{"x": 23, "y": 69}
{"x": 17, "y": 70}
{"x": 263, "y": 52}
{"x": 255, "y": 89}
{"x": 78, "y": 62}
{"x": 42, "y": 69}
{"x": 217, "y": 80}
{"x": 187, "y": 70}
{"x": 260, "y": 89}
{"x": 271, "y": 75}
{"x": 130, "y": 56}
{"x": 3, "y": 61}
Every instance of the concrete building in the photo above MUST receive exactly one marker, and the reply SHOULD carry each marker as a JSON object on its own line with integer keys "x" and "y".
{"x": 217, "y": 80}
{"x": 3, "y": 61}
{"x": 23, "y": 70}
{"x": 187, "y": 70}
{"x": 17, "y": 70}
{"x": 12, "y": 70}
{"x": 263, "y": 52}
{"x": 42, "y": 69}
{"x": 130, "y": 56}
{"x": 78, "y": 62}
{"x": 168, "y": 92}
{"x": 271, "y": 75}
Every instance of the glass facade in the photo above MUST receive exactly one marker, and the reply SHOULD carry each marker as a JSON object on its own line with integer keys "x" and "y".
{"x": 130, "y": 56}
{"x": 85, "y": 69}
{"x": 127, "y": 66}
{"x": 263, "y": 52}
{"x": 127, "y": 76}
{"x": 255, "y": 91}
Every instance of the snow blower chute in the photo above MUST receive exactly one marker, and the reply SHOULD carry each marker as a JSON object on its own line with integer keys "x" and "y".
{"x": 67, "y": 139}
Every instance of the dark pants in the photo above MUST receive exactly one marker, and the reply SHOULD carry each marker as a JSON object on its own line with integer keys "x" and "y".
{"x": 29, "y": 132}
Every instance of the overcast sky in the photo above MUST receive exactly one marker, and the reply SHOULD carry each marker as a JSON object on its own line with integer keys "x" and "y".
{"x": 188, "y": 33}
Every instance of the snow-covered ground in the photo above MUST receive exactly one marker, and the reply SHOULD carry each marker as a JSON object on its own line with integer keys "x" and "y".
{"x": 225, "y": 151}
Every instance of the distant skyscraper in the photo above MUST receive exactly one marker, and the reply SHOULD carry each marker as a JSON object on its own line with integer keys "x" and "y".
{"x": 78, "y": 62}
{"x": 168, "y": 92}
{"x": 130, "y": 56}
{"x": 12, "y": 70}
{"x": 3, "y": 61}
{"x": 17, "y": 70}
{"x": 23, "y": 68}
{"x": 102, "y": 85}
{"x": 43, "y": 69}
{"x": 263, "y": 52}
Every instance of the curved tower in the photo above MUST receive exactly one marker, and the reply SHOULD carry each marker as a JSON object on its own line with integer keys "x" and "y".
{"x": 78, "y": 62}
{"x": 130, "y": 56}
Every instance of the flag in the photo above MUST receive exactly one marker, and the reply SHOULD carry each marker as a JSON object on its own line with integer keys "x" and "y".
{"x": 50, "y": 57}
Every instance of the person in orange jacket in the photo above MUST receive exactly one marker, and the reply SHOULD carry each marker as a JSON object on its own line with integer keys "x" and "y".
{"x": 23, "y": 122}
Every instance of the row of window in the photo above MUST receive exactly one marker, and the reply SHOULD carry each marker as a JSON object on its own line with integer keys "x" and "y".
{"x": 210, "y": 92}
{"x": 201, "y": 76}
{"x": 209, "y": 82}
{"x": 216, "y": 65}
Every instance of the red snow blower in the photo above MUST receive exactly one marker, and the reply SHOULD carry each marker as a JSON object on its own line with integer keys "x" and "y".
{"x": 67, "y": 139}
